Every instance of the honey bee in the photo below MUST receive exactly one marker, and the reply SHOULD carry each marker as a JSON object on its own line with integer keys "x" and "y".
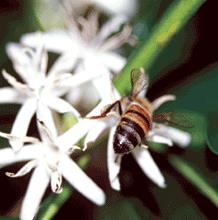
{"x": 136, "y": 114}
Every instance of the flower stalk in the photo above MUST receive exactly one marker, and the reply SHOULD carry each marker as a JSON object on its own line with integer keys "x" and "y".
{"x": 172, "y": 21}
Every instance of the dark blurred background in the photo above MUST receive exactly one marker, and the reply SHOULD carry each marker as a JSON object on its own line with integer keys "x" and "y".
{"x": 199, "y": 48}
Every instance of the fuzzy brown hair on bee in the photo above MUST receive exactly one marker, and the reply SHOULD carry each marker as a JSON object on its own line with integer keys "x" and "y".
{"x": 136, "y": 115}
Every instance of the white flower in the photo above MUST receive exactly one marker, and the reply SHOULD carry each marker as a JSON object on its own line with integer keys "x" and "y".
{"x": 126, "y": 7}
{"x": 51, "y": 159}
{"x": 114, "y": 7}
{"x": 158, "y": 133}
{"x": 88, "y": 51}
{"x": 39, "y": 92}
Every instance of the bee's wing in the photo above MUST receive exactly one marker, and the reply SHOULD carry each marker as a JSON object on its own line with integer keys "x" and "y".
{"x": 174, "y": 118}
{"x": 139, "y": 81}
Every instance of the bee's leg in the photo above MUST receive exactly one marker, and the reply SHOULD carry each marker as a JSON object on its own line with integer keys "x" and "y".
{"x": 109, "y": 109}
{"x": 118, "y": 158}
{"x": 144, "y": 146}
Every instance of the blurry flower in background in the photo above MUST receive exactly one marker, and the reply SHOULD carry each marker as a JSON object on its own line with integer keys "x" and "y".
{"x": 159, "y": 133}
{"x": 51, "y": 159}
{"x": 58, "y": 8}
{"x": 113, "y": 7}
{"x": 90, "y": 53}
{"x": 39, "y": 92}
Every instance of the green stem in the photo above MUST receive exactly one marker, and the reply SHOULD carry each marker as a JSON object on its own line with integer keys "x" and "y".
{"x": 172, "y": 21}
{"x": 54, "y": 202}
{"x": 195, "y": 178}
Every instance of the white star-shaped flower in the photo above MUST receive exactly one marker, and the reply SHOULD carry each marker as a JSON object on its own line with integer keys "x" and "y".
{"x": 51, "y": 159}
{"x": 39, "y": 92}
{"x": 90, "y": 52}
{"x": 159, "y": 133}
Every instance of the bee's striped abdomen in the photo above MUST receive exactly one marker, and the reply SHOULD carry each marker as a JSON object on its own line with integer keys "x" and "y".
{"x": 133, "y": 126}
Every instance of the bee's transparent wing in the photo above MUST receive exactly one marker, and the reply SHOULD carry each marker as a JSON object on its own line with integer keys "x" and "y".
{"x": 174, "y": 118}
{"x": 139, "y": 81}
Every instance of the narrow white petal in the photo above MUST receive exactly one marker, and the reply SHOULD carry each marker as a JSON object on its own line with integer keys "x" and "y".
{"x": 40, "y": 60}
{"x": 24, "y": 139}
{"x": 113, "y": 162}
{"x": 21, "y": 57}
{"x": 111, "y": 26}
{"x": 112, "y": 61}
{"x": 96, "y": 130}
{"x": 61, "y": 105}
{"x": 24, "y": 170}
{"x": 36, "y": 189}
{"x": 79, "y": 78}
{"x": 28, "y": 152}
{"x": 44, "y": 115}
{"x": 148, "y": 165}
{"x": 125, "y": 7}
{"x": 16, "y": 53}
{"x": 45, "y": 132}
{"x": 179, "y": 137}
{"x": 104, "y": 86}
{"x": 57, "y": 41}
{"x": 10, "y": 95}
{"x": 160, "y": 139}
{"x": 16, "y": 84}
{"x": 77, "y": 178}
{"x": 56, "y": 182}
{"x": 22, "y": 121}
{"x": 73, "y": 135}
{"x": 65, "y": 63}
{"x": 161, "y": 100}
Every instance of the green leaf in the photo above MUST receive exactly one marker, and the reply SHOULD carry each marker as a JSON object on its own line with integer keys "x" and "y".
{"x": 195, "y": 177}
{"x": 54, "y": 202}
{"x": 212, "y": 136}
{"x": 172, "y": 21}
{"x": 198, "y": 93}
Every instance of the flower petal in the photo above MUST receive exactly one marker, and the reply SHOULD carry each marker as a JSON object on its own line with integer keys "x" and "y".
{"x": 28, "y": 152}
{"x": 44, "y": 115}
{"x": 56, "y": 182}
{"x": 159, "y": 139}
{"x": 77, "y": 178}
{"x": 36, "y": 189}
{"x": 21, "y": 57}
{"x": 24, "y": 139}
{"x": 148, "y": 166}
{"x": 125, "y": 7}
{"x": 61, "y": 106}
{"x": 110, "y": 27}
{"x": 10, "y": 95}
{"x": 104, "y": 86}
{"x": 24, "y": 170}
{"x": 65, "y": 63}
{"x": 45, "y": 132}
{"x": 73, "y": 135}
{"x": 179, "y": 137}
{"x": 22, "y": 121}
{"x": 161, "y": 100}
{"x": 113, "y": 162}
{"x": 58, "y": 41}
{"x": 13, "y": 82}
{"x": 97, "y": 128}
{"x": 112, "y": 61}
